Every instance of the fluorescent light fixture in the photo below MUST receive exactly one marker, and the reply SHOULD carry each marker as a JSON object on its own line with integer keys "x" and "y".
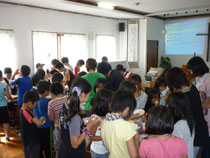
{"x": 105, "y": 5}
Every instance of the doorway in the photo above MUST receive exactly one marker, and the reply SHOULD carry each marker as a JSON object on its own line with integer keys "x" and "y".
{"x": 152, "y": 54}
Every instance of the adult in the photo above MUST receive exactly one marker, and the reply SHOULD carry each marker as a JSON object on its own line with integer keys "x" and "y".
{"x": 200, "y": 71}
{"x": 79, "y": 64}
{"x": 176, "y": 80}
{"x": 39, "y": 66}
{"x": 91, "y": 77}
{"x": 114, "y": 77}
{"x": 65, "y": 62}
{"x": 104, "y": 59}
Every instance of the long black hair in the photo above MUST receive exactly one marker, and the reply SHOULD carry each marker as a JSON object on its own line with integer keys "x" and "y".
{"x": 179, "y": 106}
{"x": 79, "y": 86}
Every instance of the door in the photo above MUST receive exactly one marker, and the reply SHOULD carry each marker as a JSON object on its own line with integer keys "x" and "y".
{"x": 152, "y": 54}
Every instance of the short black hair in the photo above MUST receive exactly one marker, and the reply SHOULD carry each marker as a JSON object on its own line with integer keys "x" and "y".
{"x": 54, "y": 62}
{"x": 98, "y": 82}
{"x": 152, "y": 92}
{"x": 0, "y": 73}
{"x": 135, "y": 79}
{"x": 104, "y": 59}
{"x": 31, "y": 96}
{"x": 56, "y": 88}
{"x": 57, "y": 77}
{"x": 7, "y": 70}
{"x": 80, "y": 62}
{"x": 176, "y": 78}
{"x": 43, "y": 86}
{"x": 160, "y": 82}
{"x": 127, "y": 85}
{"x": 65, "y": 60}
{"x": 91, "y": 64}
{"x": 83, "y": 84}
{"x": 53, "y": 71}
{"x": 120, "y": 67}
{"x": 159, "y": 121}
{"x": 82, "y": 74}
{"x": 122, "y": 99}
{"x": 104, "y": 68}
{"x": 198, "y": 66}
{"x": 59, "y": 65}
{"x": 41, "y": 72}
{"x": 25, "y": 70}
{"x": 101, "y": 102}
{"x": 35, "y": 79}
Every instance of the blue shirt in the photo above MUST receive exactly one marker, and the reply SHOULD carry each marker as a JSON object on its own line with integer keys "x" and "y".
{"x": 24, "y": 84}
{"x": 40, "y": 110}
{"x": 3, "y": 100}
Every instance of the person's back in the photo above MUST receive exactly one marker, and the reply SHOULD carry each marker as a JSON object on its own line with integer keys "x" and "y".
{"x": 3, "y": 101}
{"x": 114, "y": 80}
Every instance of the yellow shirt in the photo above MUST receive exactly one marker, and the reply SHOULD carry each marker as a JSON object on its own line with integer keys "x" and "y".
{"x": 114, "y": 135}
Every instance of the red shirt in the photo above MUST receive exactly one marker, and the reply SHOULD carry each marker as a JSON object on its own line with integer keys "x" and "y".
{"x": 76, "y": 70}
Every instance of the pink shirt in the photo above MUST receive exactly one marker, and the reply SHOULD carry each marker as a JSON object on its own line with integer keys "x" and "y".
{"x": 173, "y": 147}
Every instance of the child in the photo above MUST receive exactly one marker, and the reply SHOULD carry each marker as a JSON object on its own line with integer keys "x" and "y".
{"x": 8, "y": 78}
{"x": 54, "y": 107}
{"x": 118, "y": 135}
{"x": 23, "y": 83}
{"x": 29, "y": 123}
{"x": 72, "y": 127}
{"x": 153, "y": 99}
{"x": 34, "y": 81}
{"x": 179, "y": 106}
{"x": 65, "y": 62}
{"x": 57, "y": 77}
{"x": 4, "y": 115}
{"x": 141, "y": 96}
{"x": 41, "y": 72}
{"x": 100, "y": 109}
{"x": 160, "y": 84}
{"x": 127, "y": 85}
{"x": 40, "y": 110}
{"x": 161, "y": 144}
{"x": 78, "y": 66}
{"x": 99, "y": 84}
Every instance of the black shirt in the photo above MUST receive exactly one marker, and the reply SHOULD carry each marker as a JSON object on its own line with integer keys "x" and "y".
{"x": 29, "y": 131}
{"x": 114, "y": 80}
{"x": 201, "y": 128}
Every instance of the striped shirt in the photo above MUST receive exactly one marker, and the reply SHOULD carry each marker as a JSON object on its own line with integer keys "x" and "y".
{"x": 54, "y": 108}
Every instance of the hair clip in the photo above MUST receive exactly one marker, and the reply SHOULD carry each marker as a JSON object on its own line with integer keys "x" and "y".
{"x": 78, "y": 90}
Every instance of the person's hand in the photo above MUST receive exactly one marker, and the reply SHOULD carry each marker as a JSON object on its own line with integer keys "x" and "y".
{"x": 93, "y": 121}
{"x": 136, "y": 116}
{"x": 42, "y": 118}
{"x": 17, "y": 72}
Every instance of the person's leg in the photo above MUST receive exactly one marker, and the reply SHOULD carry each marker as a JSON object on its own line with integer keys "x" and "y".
{"x": 196, "y": 149}
{"x": 35, "y": 151}
{"x": 41, "y": 142}
{"x": 57, "y": 140}
{"x": 46, "y": 142}
{"x": 7, "y": 130}
{"x": 5, "y": 121}
{"x": 27, "y": 152}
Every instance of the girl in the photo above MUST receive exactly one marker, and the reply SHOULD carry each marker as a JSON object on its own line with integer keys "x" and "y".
{"x": 160, "y": 84}
{"x": 179, "y": 106}
{"x": 101, "y": 108}
{"x": 78, "y": 66}
{"x": 73, "y": 131}
{"x": 161, "y": 144}
{"x": 153, "y": 99}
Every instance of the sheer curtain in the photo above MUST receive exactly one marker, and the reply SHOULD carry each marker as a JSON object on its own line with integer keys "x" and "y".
{"x": 7, "y": 50}
{"x": 74, "y": 46}
{"x": 44, "y": 48}
{"x": 105, "y": 46}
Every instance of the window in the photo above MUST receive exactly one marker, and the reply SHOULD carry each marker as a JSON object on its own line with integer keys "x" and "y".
{"x": 7, "y": 49}
{"x": 106, "y": 46}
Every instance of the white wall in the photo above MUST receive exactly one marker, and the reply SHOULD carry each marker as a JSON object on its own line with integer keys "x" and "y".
{"x": 24, "y": 20}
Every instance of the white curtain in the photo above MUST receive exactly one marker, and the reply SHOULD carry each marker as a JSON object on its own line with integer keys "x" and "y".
{"x": 74, "y": 46}
{"x": 7, "y": 50}
{"x": 105, "y": 46}
{"x": 44, "y": 48}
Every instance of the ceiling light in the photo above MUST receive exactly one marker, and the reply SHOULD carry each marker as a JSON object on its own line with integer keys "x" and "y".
{"x": 105, "y": 5}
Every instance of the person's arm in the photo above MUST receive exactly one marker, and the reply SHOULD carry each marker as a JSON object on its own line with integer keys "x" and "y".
{"x": 37, "y": 121}
{"x": 7, "y": 94}
{"x": 51, "y": 117}
{"x": 132, "y": 147}
{"x": 207, "y": 104}
{"x": 16, "y": 72}
{"x": 96, "y": 138}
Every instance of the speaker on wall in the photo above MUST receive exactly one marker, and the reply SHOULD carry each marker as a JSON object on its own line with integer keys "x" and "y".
{"x": 121, "y": 26}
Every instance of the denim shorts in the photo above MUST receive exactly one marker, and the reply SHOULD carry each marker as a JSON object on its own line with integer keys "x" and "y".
{"x": 95, "y": 155}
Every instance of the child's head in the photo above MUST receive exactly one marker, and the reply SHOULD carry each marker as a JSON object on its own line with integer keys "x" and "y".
{"x": 153, "y": 96}
{"x": 8, "y": 72}
{"x": 91, "y": 64}
{"x": 120, "y": 68}
{"x": 160, "y": 121}
{"x": 127, "y": 85}
{"x": 60, "y": 67}
{"x": 124, "y": 102}
{"x": 99, "y": 84}
{"x": 104, "y": 68}
{"x": 56, "y": 89}
{"x": 65, "y": 60}
{"x": 81, "y": 74}
{"x": 35, "y": 79}
{"x": 179, "y": 106}
{"x": 1, "y": 77}
{"x": 80, "y": 63}
{"x": 30, "y": 99}
{"x": 25, "y": 70}
{"x": 43, "y": 88}
{"x": 102, "y": 101}
{"x": 160, "y": 84}
{"x": 54, "y": 62}
{"x": 57, "y": 77}
{"x": 136, "y": 79}
{"x": 41, "y": 72}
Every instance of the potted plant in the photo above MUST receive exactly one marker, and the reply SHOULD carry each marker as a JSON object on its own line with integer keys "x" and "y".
{"x": 165, "y": 62}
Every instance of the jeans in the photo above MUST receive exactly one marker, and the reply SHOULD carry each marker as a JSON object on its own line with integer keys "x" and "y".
{"x": 57, "y": 140}
{"x": 95, "y": 155}
{"x": 196, "y": 149}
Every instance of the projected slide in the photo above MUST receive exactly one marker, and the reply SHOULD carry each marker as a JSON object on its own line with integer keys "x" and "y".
{"x": 181, "y": 37}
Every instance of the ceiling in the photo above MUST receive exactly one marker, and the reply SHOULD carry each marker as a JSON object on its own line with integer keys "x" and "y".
{"x": 125, "y": 9}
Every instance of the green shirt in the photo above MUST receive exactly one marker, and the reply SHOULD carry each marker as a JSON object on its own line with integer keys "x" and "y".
{"x": 91, "y": 78}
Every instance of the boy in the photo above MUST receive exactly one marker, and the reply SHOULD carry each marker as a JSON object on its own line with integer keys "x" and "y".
{"x": 41, "y": 109}
{"x": 54, "y": 107}
{"x": 29, "y": 123}
{"x": 23, "y": 83}
{"x": 65, "y": 62}
{"x": 7, "y": 79}
{"x": 4, "y": 115}
{"x": 34, "y": 81}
